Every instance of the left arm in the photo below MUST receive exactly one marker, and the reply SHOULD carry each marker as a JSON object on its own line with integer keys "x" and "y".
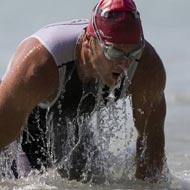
{"x": 149, "y": 110}
{"x": 150, "y": 155}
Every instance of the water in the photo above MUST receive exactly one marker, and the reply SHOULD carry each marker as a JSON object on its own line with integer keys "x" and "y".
{"x": 166, "y": 26}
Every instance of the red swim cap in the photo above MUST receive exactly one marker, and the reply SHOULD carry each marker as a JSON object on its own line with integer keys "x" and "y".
{"x": 117, "y": 21}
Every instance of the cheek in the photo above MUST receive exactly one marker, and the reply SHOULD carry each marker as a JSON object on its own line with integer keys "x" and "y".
{"x": 96, "y": 60}
{"x": 99, "y": 62}
{"x": 101, "y": 65}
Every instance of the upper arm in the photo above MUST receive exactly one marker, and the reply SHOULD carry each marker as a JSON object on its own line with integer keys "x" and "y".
{"x": 147, "y": 91}
{"x": 32, "y": 77}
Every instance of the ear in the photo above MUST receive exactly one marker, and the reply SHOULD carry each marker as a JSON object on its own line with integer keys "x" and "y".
{"x": 86, "y": 43}
{"x": 88, "y": 46}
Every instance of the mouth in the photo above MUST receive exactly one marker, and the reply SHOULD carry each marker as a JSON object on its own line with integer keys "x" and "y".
{"x": 115, "y": 75}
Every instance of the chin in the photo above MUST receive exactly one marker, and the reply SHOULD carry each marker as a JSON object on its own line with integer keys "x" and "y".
{"x": 110, "y": 82}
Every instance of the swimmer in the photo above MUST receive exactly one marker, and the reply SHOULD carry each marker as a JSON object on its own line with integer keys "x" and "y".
{"x": 62, "y": 64}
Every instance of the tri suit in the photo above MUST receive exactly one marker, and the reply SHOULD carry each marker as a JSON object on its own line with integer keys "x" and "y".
{"x": 54, "y": 135}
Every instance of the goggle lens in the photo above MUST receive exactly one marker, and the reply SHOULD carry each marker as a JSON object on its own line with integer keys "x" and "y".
{"x": 114, "y": 54}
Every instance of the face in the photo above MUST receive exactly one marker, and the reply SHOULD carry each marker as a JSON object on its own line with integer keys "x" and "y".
{"x": 113, "y": 60}
{"x": 109, "y": 70}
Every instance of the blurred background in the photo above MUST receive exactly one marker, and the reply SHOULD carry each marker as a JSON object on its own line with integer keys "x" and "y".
{"x": 166, "y": 25}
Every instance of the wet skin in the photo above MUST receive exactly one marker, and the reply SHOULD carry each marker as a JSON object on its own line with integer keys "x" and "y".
{"x": 103, "y": 69}
{"x": 25, "y": 86}
{"x": 148, "y": 100}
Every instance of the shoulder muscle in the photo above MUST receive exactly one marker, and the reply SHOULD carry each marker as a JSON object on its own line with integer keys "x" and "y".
{"x": 32, "y": 76}
{"x": 149, "y": 80}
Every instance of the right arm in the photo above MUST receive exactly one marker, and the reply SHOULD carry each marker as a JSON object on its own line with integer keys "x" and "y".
{"x": 31, "y": 79}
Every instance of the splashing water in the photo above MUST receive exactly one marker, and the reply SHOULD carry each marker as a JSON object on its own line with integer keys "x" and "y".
{"x": 114, "y": 138}
{"x": 99, "y": 134}
{"x": 105, "y": 137}
{"x": 7, "y": 158}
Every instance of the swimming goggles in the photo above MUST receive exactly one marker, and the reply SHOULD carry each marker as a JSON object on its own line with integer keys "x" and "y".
{"x": 114, "y": 54}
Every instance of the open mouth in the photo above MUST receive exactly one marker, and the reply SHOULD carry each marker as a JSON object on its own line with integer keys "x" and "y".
{"x": 116, "y": 75}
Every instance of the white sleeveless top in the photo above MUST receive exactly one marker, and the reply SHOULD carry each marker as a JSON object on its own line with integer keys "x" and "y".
{"x": 61, "y": 38}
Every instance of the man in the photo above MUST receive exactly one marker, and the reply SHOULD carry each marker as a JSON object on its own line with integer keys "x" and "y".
{"x": 56, "y": 76}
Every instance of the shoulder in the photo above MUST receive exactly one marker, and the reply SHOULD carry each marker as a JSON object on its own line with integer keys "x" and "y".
{"x": 33, "y": 71}
{"x": 34, "y": 60}
{"x": 153, "y": 64}
{"x": 150, "y": 76}
{"x": 32, "y": 48}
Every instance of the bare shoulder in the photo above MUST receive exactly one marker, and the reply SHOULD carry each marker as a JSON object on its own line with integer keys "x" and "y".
{"x": 150, "y": 75}
{"x": 33, "y": 74}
